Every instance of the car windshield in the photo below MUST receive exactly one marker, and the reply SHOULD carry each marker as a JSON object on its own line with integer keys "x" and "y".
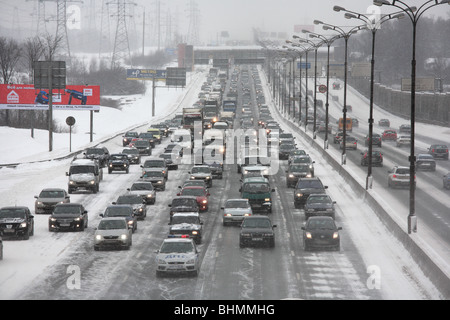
{"x": 236, "y": 204}
{"x": 112, "y": 224}
{"x": 177, "y": 247}
{"x": 141, "y": 186}
{"x": 301, "y": 160}
{"x": 256, "y": 223}
{"x": 313, "y": 184}
{"x": 177, "y": 219}
{"x": 81, "y": 169}
{"x": 287, "y": 147}
{"x": 201, "y": 170}
{"x": 51, "y": 194}
{"x": 129, "y": 200}
{"x": 298, "y": 152}
{"x": 118, "y": 211}
{"x": 154, "y": 164}
{"x": 286, "y": 135}
{"x": 146, "y": 135}
{"x": 321, "y": 224}
{"x": 118, "y": 157}
{"x": 67, "y": 209}
{"x": 95, "y": 151}
{"x": 319, "y": 199}
{"x": 131, "y": 134}
{"x": 193, "y": 192}
{"x": 256, "y": 187}
{"x": 141, "y": 143}
{"x": 12, "y": 213}
{"x": 299, "y": 168}
{"x": 425, "y": 156}
{"x": 153, "y": 174}
{"x": 402, "y": 171}
{"x": 184, "y": 202}
{"x": 130, "y": 151}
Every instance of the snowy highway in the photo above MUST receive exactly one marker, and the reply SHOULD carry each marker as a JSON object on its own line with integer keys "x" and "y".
{"x": 371, "y": 264}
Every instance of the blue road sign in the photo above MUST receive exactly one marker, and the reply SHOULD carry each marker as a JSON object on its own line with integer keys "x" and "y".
{"x": 303, "y": 65}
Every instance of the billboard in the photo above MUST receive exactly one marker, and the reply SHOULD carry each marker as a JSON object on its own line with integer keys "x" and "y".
{"x": 422, "y": 84}
{"x": 27, "y": 97}
{"x": 176, "y": 77}
{"x": 146, "y": 74}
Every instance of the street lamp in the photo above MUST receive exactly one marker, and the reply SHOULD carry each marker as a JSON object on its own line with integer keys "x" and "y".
{"x": 373, "y": 26}
{"x": 346, "y": 36}
{"x": 316, "y": 47}
{"x": 414, "y": 15}
{"x": 328, "y": 41}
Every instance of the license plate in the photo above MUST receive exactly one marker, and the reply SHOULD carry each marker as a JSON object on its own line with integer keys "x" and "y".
{"x": 175, "y": 267}
{"x": 65, "y": 224}
{"x": 8, "y": 230}
{"x": 256, "y": 239}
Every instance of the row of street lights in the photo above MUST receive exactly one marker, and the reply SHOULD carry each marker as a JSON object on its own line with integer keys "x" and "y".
{"x": 372, "y": 24}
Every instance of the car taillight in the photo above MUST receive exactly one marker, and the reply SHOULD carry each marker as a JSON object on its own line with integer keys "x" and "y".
{"x": 394, "y": 176}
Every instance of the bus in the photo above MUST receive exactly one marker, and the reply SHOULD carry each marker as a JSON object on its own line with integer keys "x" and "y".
{"x": 348, "y": 126}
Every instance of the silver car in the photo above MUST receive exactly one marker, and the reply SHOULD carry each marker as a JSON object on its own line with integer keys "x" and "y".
{"x": 145, "y": 190}
{"x": 177, "y": 255}
{"x": 48, "y": 198}
{"x": 113, "y": 233}
{"x": 235, "y": 210}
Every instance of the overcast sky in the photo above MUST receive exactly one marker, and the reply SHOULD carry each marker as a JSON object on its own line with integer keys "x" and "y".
{"x": 238, "y": 17}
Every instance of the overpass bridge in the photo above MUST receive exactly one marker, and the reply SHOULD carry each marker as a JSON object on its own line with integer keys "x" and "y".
{"x": 223, "y": 56}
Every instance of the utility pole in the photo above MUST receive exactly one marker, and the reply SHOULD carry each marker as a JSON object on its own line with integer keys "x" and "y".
{"x": 193, "y": 30}
{"x": 121, "y": 42}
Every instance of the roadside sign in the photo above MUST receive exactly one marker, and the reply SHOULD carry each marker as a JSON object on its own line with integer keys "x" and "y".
{"x": 322, "y": 88}
{"x": 146, "y": 74}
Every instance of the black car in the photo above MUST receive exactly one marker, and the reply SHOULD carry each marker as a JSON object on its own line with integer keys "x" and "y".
{"x": 319, "y": 205}
{"x": 183, "y": 204}
{"x": 187, "y": 223}
{"x": 384, "y": 123}
{"x": 128, "y": 136}
{"x": 305, "y": 187}
{"x": 257, "y": 230}
{"x": 68, "y": 216}
{"x": 134, "y": 157}
{"x": 148, "y": 136}
{"x": 321, "y": 232}
{"x": 284, "y": 150}
{"x": 122, "y": 210}
{"x": 101, "y": 154}
{"x": 143, "y": 146}
{"x": 118, "y": 162}
{"x": 446, "y": 181}
{"x": 139, "y": 205}
{"x": 156, "y": 177}
{"x": 172, "y": 160}
{"x": 377, "y": 158}
{"x": 16, "y": 222}
{"x": 425, "y": 161}
{"x": 438, "y": 151}
{"x": 297, "y": 171}
{"x": 376, "y": 140}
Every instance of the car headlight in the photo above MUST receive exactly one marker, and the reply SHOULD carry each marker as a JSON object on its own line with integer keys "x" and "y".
{"x": 39, "y": 203}
{"x": 208, "y": 177}
{"x": 336, "y": 235}
{"x": 52, "y": 219}
{"x": 190, "y": 261}
{"x": 245, "y": 234}
{"x": 98, "y": 237}
{"x": 124, "y": 236}
{"x": 194, "y": 232}
{"x": 130, "y": 222}
{"x": 266, "y": 199}
{"x": 161, "y": 261}
{"x": 160, "y": 181}
{"x": 92, "y": 182}
{"x": 23, "y": 225}
{"x": 299, "y": 195}
{"x": 291, "y": 175}
{"x": 205, "y": 201}
{"x": 192, "y": 177}
{"x": 308, "y": 235}
{"x": 150, "y": 195}
{"x": 141, "y": 209}
{"x": 77, "y": 219}
{"x": 71, "y": 182}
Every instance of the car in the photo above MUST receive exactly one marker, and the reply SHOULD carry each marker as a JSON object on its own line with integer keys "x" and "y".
{"x": 148, "y": 136}
{"x": 200, "y": 183}
{"x": 139, "y": 205}
{"x": 403, "y": 141}
{"x": 68, "y": 216}
{"x": 321, "y": 127}
{"x": 355, "y": 122}
{"x": 118, "y": 162}
{"x": 143, "y": 146}
{"x": 376, "y": 140}
{"x": 286, "y": 137}
{"x": 128, "y": 136}
{"x": 174, "y": 149}
{"x": 133, "y": 154}
{"x": 163, "y": 128}
{"x": 384, "y": 123}
{"x": 389, "y": 134}
{"x": 172, "y": 160}
{"x": 156, "y": 177}
{"x": 404, "y": 128}
{"x": 157, "y": 163}
{"x": 304, "y": 160}
{"x": 377, "y": 158}
{"x": 255, "y": 171}
{"x": 84, "y": 174}
{"x": 336, "y": 85}
{"x": 1, "y": 248}
{"x": 425, "y": 161}
{"x": 399, "y": 176}
{"x": 145, "y": 190}
{"x": 305, "y": 187}
{"x": 235, "y": 210}
{"x": 48, "y": 198}
{"x": 321, "y": 232}
{"x": 258, "y": 192}
{"x": 101, "y": 154}
{"x": 201, "y": 172}
{"x": 338, "y": 137}
{"x": 177, "y": 255}
{"x": 350, "y": 143}
{"x": 446, "y": 181}
{"x": 156, "y": 134}
{"x": 187, "y": 223}
{"x": 296, "y": 171}
{"x": 200, "y": 193}
{"x": 124, "y": 211}
{"x": 113, "y": 232}
{"x": 258, "y": 230}
{"x": 319, "y": 205}
{"x": 439, "y": 151}
{"x": 16, "y": 222}
{"x": 296, "y": 152}
{"x": 183, "y": 204}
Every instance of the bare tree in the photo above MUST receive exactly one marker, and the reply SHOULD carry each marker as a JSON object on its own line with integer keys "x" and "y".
{"x": 10, "y": 54}
{"x": 33, "y": 51}
{"x": 50, "y": 45}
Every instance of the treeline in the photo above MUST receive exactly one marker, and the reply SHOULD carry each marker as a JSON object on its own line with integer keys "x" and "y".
{"x": 393, "y": 49}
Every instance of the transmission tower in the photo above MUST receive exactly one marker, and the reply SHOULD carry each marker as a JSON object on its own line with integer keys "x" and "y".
{"x": 121, "y": 42}
{"x": 61, "y": 26}
{"x": 40, "y": 25}
{"x": 194, "y": 17}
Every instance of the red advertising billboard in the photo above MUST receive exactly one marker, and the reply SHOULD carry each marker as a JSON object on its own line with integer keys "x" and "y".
{"x": 26, "y": 97}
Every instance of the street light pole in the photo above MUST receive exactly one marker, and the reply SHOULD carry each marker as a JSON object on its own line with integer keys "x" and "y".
{"x": 414, "y": 15}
